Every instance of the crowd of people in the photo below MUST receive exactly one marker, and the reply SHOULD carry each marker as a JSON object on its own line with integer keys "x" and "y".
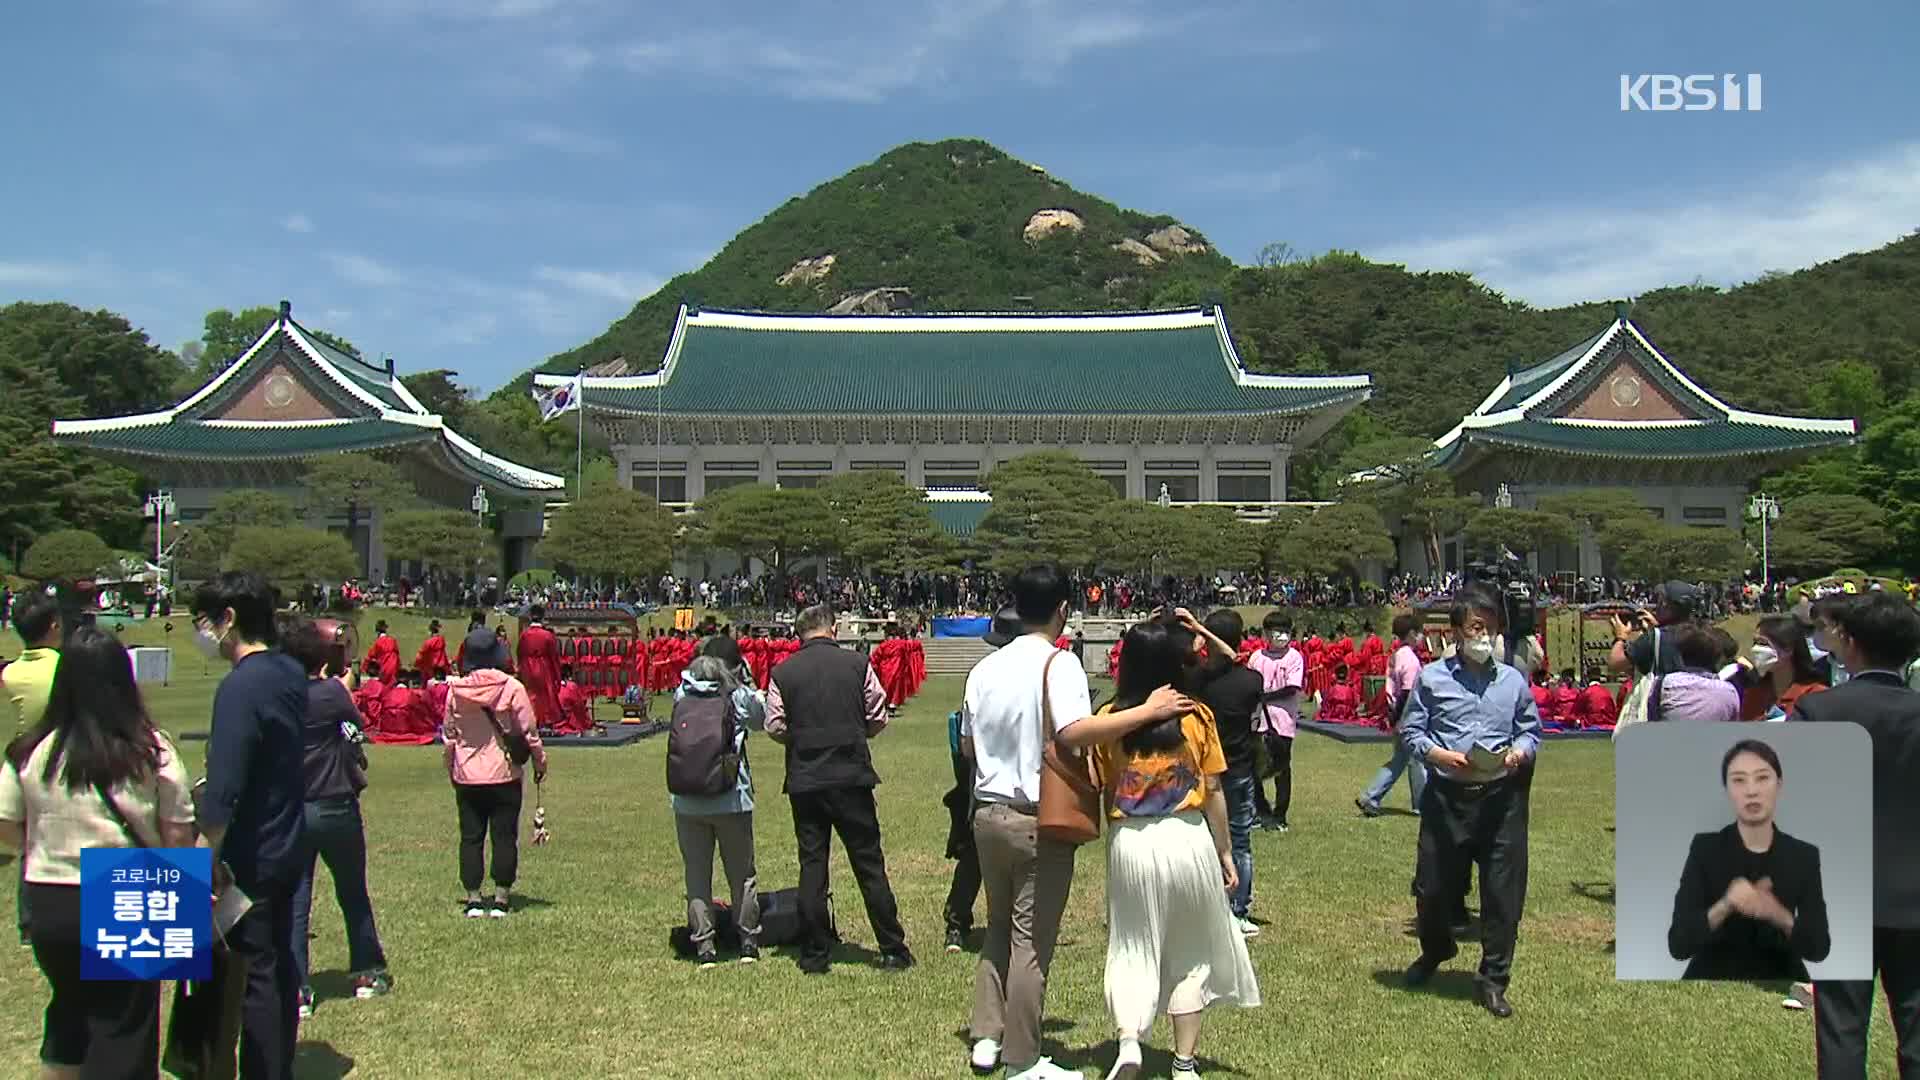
{"x": 1172, "y": 772}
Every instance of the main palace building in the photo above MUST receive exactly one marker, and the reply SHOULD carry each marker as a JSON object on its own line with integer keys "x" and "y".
{"x": 1157, "y": 402}
{"x": 1150, "y": 400}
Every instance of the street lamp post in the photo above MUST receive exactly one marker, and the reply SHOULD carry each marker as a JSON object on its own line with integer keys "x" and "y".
{"x": 1766, "y": 509}
{"x": 160, "y": 505}
{"x": 479, "y": 504}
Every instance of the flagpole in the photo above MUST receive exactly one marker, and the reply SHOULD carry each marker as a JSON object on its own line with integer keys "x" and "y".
{"x": 580, "y": 436}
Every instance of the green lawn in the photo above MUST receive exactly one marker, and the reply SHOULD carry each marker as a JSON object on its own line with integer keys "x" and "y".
{"x": 581, "y": 982}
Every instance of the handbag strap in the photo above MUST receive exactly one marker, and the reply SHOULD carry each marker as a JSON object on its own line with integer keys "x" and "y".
{"x": 1046, "y": 699}
{"x": 126, "y": 824}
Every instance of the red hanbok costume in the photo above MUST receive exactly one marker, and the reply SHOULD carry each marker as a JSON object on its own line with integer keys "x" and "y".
{"x": 540, "y": 673}
{"x": 1597, "y": 708}
{"x": 431, "y": 660}
{"x": 575, "y": 717}
{"x": 1319, "y": 672}
{"x": 1340, "y": 704}
{"x": 1113, "y": 661}
{"x": 1373, "y": 655}
{"x": 1565, "y": 701}
{"x": 657, "y": 665}
{"x": 1543, "y": 701}
{"x": 886, "y": 659}
{"x": 916, "y": 665}
{"x": 383, "y": 660}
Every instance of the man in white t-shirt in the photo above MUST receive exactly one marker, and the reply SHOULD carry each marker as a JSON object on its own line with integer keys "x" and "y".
{"x": 1026, "y": 878}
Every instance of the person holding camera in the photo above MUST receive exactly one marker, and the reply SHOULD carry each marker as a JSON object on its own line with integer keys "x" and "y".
{"x": 1640, "y": 647}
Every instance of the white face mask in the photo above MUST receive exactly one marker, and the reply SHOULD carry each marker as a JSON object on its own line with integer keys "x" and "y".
{"x": 208, "y": 642}
{"x": 1477, "y": 650}
{"x": 1763, "y": 657}
{"x": 1279, "y": 641}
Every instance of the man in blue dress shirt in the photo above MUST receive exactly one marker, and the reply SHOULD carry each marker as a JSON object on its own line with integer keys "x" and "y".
{"x": 1472, "y": 719}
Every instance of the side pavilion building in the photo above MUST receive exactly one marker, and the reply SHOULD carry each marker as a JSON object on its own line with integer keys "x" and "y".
{"x": 1152, "y": 401}
{"x": 291, "y": 398}
{"x": 1615, "y": 412}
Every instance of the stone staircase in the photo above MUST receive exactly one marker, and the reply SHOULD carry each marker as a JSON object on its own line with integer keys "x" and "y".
{"x": 954, "y": 656}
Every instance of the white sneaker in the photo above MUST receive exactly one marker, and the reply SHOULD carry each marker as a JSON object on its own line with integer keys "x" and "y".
{"x": 1045, "y": 1069}
{"x": 986, "y": 1054}
{"x": 1247, "y": 929}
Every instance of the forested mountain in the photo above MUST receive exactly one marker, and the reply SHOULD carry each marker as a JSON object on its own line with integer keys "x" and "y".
{"x": 950, "y": 223}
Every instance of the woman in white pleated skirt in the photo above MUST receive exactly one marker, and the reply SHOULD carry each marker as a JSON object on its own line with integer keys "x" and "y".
{"x": 1172, "y": 945}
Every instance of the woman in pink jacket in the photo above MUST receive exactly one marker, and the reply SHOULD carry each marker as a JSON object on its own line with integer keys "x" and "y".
{"x": 486, "y": 706}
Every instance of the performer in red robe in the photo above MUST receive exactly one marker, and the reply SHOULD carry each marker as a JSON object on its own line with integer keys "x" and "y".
{"x": 575, "y": 715}
{"x": 1372, "y": 647}
{"x": 1340, "y": 704}
{"x": 383, "y": 659}
{"x": 406, "y": 718}
{"x": 1566, "y": 699}
{"x": 431, "y": 660}
{"x": 1315, "y": 653}
{"x": 916, "y": 664}
{"x": 885, "y": 658}
{"x": 1543, "y": 701}
{"x": 540, "y": 668}
{"x": 1597, "y": 708}
{"x": 656, "y": 662}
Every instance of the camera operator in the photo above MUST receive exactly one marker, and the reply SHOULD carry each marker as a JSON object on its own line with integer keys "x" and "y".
{"x": 1634, "y": 643}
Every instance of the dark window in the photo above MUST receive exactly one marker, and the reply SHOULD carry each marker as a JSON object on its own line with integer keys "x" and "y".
{"x": 806, "y": 480}
{"x": 671, "y": 489}
{"x": 721, "y": 483}
{"x": 1703, "y": 513}
{"x": 1246, "y": 488}
{"x": 1119, "y": 482}
{"x": 1244, "y": 466}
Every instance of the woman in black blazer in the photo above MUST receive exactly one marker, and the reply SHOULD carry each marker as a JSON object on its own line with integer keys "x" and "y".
{"x": 1749, "y": 905}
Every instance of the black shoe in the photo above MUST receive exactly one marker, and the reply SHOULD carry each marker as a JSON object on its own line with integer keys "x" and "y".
{"x": 1420, "y": 972}
{"x": 749, "y": 952}
{"x": 815, "y": 967}
{"x": 1367, "y": 808}
{"x": 707, "y": 955}
{"x": 896, "y": 961}
{"x": 956, "y": 939}
{"x": 1493, "y": 998}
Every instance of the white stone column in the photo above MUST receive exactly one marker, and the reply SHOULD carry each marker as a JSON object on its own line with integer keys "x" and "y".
{"x": 1282, "y": 455}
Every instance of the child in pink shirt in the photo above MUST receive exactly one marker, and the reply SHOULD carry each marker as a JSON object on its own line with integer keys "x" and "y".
{"x": 1283, "y": 671}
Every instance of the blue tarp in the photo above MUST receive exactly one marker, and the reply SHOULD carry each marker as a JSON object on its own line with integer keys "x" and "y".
{"x": 961, "y": 627}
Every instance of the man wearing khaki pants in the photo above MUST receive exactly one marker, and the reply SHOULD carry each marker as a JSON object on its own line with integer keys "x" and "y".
{"x": 1026, "y": 878}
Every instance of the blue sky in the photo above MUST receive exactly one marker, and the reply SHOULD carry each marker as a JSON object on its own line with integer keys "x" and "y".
{"x": 476, "y": 184}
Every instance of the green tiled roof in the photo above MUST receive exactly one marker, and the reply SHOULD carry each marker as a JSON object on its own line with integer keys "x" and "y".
{"x": 1722, "y": 438}
{"x": 189, "y": 439}
{"x": 960, "y": 518}
{"x": 375, "y": 381}
{"x": 830, "y": 369}
{"x": 1529, "y": 381}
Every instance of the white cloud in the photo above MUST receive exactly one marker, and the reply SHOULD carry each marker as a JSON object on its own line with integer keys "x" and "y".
{"x": 614, "y": 285}
{"x": 297, "y": 223}
{"x": 862, "y": 57}
{"x": 38, "y": 274}
{"x": 568, "y": 141}
{"x": 1556, "y": 255}
{"x": 366, "y": 270}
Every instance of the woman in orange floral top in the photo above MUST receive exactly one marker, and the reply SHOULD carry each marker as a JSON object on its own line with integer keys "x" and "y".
{"x": 1172, "y": 945}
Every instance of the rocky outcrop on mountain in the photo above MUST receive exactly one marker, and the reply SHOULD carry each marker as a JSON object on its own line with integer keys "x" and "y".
{"x": 1141, "y": 253}
{"x": 1045, "y": 221}
{"x": 807, "y": 271}
{"x": 881, "y": 301}
{"x": 1175, "y": 240}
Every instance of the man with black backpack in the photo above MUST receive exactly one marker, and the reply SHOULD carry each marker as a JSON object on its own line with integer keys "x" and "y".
{"x": 823, "y": 704}
{"x": 712, "y": 793}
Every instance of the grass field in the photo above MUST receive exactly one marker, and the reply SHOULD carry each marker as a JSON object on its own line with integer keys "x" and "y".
{"x": 581, "y": 983}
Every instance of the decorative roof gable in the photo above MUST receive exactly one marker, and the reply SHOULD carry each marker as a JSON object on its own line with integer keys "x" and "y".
{"x": 1616, "y": 395}
{"x": 291, "y": 395}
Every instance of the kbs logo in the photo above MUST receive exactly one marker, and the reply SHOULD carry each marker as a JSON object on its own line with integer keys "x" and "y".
{"x": 1688, "y": 93}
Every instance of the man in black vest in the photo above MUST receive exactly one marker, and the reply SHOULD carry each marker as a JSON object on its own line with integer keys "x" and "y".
{"x": 824, "y": 703}
{"x": 1875, "y": 635}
